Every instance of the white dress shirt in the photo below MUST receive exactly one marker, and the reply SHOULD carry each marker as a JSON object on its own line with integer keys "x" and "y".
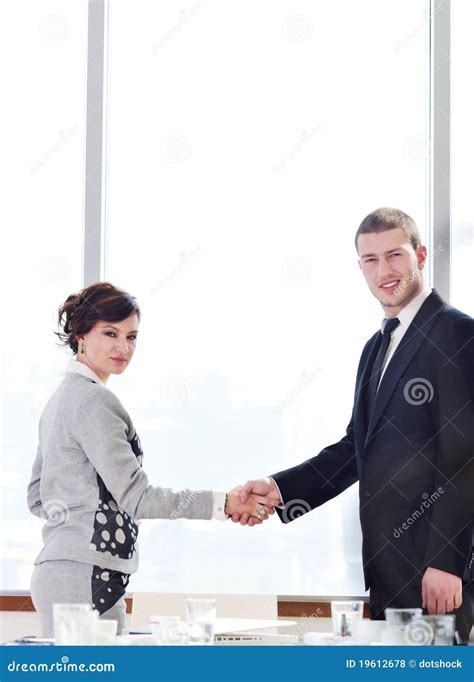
{"x": 218, "y": 498}
{"x": 406, "y": 317}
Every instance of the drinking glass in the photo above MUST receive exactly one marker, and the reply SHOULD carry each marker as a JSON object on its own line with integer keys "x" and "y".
{"x": 399, "y": 625}
{"x": 431, "y": 630}
{"x": 346, "y": 616}
{"x": 201, "y": 618}
{"x": 74, "y": 623}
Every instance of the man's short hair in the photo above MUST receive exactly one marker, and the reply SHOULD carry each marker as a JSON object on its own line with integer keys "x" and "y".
{"x": 383, "y": 219}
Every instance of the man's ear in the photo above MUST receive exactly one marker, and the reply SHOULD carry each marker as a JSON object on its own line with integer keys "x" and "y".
{"x": 360, "y": 266}
{"x": 421, "y": 255}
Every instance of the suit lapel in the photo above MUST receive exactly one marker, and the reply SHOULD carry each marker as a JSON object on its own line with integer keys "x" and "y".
{"x": 416, "y": 334}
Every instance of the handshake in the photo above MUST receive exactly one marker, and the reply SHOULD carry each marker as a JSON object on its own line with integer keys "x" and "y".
{"x": 254, "y": 502}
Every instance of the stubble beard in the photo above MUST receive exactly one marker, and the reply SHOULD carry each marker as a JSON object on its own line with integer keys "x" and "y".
{"x": 412, "y": 288}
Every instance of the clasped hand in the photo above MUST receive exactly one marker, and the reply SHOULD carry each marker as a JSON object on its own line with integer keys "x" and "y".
{"x": 254, "y": 502}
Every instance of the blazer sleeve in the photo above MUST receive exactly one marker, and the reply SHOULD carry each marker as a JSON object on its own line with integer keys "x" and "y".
{"x": 33, "y": 493}
{"x": 450, "y": 538}
{"x": 319, "y": 479}
{"x": 102, "y": 433}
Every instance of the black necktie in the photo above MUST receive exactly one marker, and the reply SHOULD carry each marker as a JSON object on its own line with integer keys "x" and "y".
{"x": 376, "y": 370}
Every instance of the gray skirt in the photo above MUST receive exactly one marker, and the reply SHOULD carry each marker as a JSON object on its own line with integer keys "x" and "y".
{"x": 71, "y": 582}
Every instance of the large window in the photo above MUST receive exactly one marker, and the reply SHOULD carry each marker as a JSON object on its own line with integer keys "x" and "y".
{"x": 462, "y": 153}
{"x": 43, "y": 56}
{"x": 246, "y": 142}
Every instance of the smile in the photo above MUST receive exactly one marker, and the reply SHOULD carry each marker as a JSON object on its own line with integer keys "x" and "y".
{"x": 390, "y": 286}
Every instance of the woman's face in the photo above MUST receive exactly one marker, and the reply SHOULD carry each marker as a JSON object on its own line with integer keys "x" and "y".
{"x": 109, "y": 346}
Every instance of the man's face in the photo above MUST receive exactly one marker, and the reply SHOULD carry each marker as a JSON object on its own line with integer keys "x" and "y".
{"x": 391, "y": 267}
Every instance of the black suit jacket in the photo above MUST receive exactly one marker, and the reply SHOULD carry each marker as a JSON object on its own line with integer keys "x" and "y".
{"x": 413, "y": 459}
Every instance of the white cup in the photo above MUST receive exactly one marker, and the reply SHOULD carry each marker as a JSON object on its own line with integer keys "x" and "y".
{"x": 169, "y": 630}
{"x": 104, "y": 631}
{"x": 74, "y": 624}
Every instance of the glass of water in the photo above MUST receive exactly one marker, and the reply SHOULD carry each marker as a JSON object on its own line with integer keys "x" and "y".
{"x": 346, "y": 616}
{"x": 201, "y": 619}
{"x": 74, "y": 623}
{"x": 442, "y": 629}
{"x": 400, "y": 625}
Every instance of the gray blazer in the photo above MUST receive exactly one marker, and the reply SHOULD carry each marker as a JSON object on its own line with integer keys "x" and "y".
{"x": 88, "y": 483}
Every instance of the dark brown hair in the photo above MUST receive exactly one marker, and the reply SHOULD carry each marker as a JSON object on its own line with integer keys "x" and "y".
{"x": 99, "y": 301}
{"x": 383, "y": 219}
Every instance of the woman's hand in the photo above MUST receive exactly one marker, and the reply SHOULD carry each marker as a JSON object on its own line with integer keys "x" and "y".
{"x": 257, "y": 506}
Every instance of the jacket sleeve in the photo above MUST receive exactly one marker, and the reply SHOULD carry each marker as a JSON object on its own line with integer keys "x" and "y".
{"x": 319, "y": 479}
{"x": 33, "y": 493}
{"x": 451, "y": 524}
{"x": 102, "y": 433}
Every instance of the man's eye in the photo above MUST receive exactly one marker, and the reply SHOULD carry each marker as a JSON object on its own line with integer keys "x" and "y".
{"x": 396, "y": 254}
{"x": 133, "y": 337}
{"x": 110, "y": 333}
{"x": 369, "y": 260}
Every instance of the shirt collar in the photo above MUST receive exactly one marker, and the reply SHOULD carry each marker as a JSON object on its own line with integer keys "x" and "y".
{"x": 77, "y": 367}
{"x": 407, "y": 314}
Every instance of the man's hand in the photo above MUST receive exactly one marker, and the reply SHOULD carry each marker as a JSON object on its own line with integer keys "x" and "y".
{"x": 261, "y": 486}
{"x": 256, "y": 508}
{"x": 441, "y": 592}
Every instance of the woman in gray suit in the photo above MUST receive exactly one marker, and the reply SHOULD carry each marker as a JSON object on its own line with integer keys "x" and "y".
{"x": 87, "y": 481}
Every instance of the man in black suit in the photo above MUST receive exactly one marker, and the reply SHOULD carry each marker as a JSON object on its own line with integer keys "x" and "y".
{"x": 410, "y": 440}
